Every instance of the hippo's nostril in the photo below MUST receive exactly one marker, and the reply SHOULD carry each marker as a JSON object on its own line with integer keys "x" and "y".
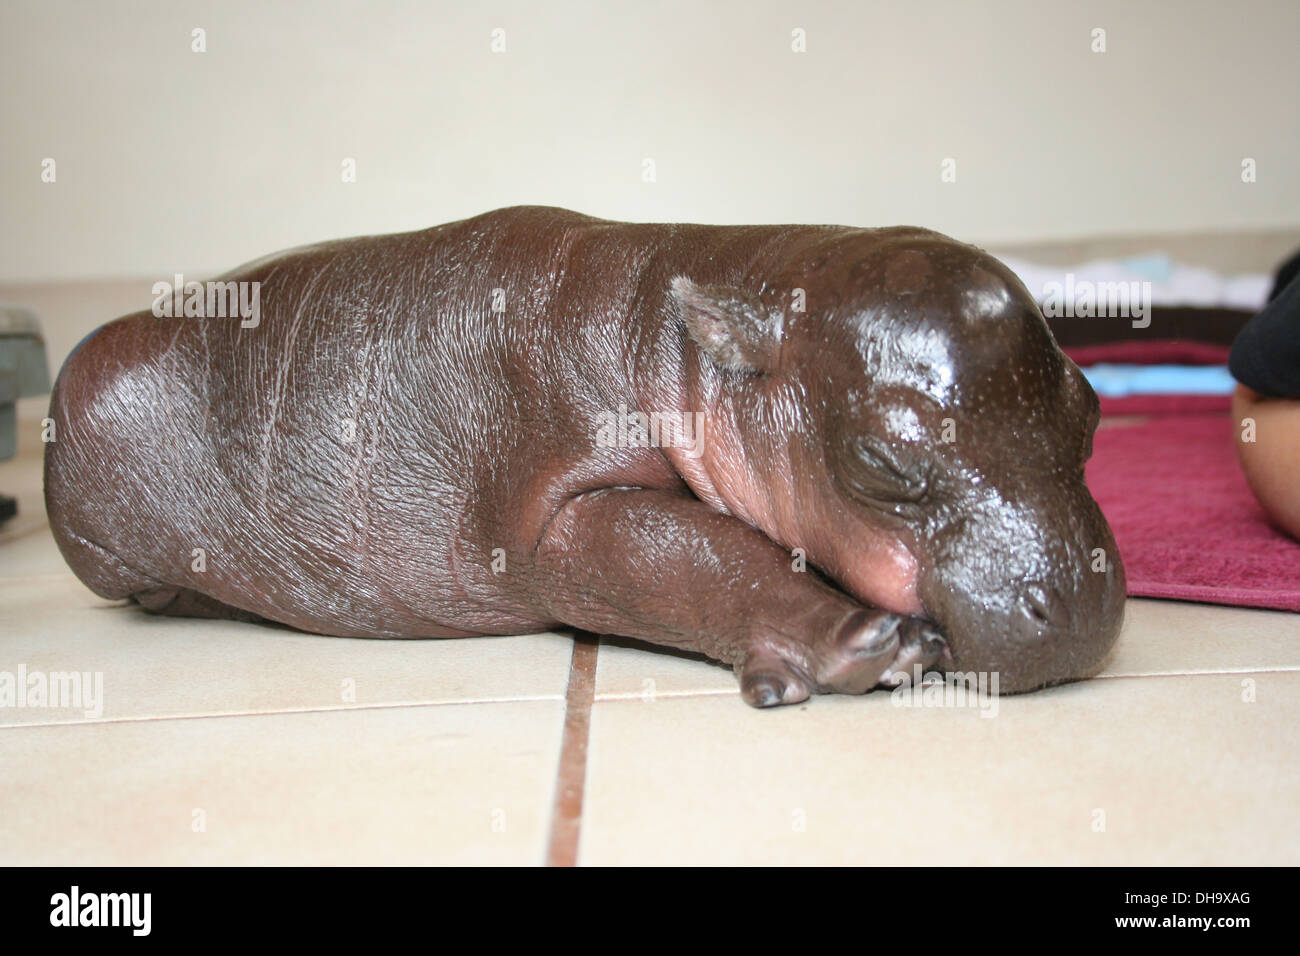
{"x": 1040, "y": 605}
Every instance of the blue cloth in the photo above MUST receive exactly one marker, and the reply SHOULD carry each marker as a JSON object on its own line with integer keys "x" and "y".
{"x": 1117, "y": 381}
{"x": 1156, "y": 267}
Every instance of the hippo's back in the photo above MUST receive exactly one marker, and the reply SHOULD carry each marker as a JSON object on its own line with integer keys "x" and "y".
{"x": 312, "y": 464}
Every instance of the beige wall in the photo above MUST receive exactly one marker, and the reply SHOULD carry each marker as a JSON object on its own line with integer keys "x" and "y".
{"x": 173, "y": 160}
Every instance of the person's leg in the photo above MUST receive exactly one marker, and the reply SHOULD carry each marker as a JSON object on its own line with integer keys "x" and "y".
{"x": 1265, "y": 361}
{"x": 1272, "y": 460}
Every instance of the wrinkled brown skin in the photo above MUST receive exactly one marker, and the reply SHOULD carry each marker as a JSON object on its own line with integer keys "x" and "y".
{"x": 825, "y": 431}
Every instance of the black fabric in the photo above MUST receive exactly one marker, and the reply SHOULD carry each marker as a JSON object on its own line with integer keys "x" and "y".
{"x": 1265, "y": 355}
{"x": 1184, "y": 322}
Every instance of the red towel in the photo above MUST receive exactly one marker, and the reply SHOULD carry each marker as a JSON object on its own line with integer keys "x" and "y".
{"x": 1153, "y": 352}
{"x": 1184, "y": 518}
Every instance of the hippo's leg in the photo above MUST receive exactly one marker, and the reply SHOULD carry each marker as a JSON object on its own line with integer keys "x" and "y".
{"x": 110, "y": 577}
{"x": 186, "y": 602}
{"x": 668, "y": 569}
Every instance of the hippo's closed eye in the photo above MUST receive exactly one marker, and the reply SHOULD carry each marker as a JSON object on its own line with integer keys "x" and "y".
{"x": 877, "y": 475}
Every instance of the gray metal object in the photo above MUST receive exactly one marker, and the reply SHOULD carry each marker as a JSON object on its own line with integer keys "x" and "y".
{"x": 24, "y": 369}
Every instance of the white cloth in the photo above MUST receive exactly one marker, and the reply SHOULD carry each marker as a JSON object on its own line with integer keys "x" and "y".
{"x": 1171, "y": 283}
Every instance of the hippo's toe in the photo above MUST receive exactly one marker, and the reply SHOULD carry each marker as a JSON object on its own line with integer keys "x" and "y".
{"x": 921, "y": 645}
{"x": 766, "y": 680}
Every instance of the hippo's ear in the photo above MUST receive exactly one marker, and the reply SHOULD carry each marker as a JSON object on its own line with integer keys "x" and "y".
{"x": 730, "y": 325}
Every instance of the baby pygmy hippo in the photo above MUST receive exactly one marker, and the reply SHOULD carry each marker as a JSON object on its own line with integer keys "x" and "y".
{"x": 823, "y": 455}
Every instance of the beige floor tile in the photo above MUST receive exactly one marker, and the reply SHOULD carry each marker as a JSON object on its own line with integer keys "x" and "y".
{"x": 468, "y": 784}
{"x": 1178, "y": 637}
{"x": 1184, "y": 771}
{"x": 33, "y": 554}
{"x": 157, "y": 666}
{"x": 627, "y": 669}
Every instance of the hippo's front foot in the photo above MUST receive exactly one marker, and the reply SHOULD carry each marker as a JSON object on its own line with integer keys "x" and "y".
{"x": 867, "y": 649}
{"x": 666, "y": 568}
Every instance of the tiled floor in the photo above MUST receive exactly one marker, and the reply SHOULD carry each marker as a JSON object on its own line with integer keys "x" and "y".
{"x": 217, "y": 742}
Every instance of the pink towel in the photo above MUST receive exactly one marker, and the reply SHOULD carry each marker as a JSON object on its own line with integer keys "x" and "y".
{"x": 1152, "y": 352}
{"x": 1185, "y": 520}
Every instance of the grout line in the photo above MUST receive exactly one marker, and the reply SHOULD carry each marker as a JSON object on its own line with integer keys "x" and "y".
{"x": 667, "y": 695}
{"x": 286, "y": 711}
{"x": 1226, "y": 670}
{"x": 608, "y": 696}
{"x": 623, "y": 696}
{"x": 571, "y": 776}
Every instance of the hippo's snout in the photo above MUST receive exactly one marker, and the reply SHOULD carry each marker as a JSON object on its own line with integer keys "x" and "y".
{"x": 1031, "y": 629}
